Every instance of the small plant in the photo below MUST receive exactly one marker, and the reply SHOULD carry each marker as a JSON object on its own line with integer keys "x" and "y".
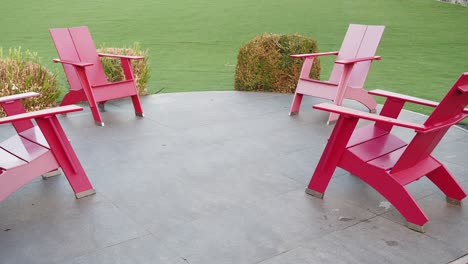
{"x": 141, "y": 68}
{"x": 264, "y": 64}
{"x": 22, "y": 71}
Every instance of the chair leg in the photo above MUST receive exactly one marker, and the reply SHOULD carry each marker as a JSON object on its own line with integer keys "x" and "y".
{"x": 341, "y": 91}
{"x": 402, "y": 200}
{"x": 65, "y": 156}
{"x": 96, "y": 114}
{"x": 51, "y": 174}
{"x": 296, "y": 104}
{"x": 331, "y": 156}
{"x": 87, "y": 92}
{"x": 101, "y": 106}
{"x": 137, "y": 105}
{"x": 397, "y": 195}
{"x": 442, "y": 178}
{"x": 93, "y": 105}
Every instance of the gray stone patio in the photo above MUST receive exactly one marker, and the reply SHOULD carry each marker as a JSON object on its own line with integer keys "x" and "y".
{"x": 217, "y": 178}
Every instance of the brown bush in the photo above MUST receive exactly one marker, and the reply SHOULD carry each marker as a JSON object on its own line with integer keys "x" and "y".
{"x": 22, "y": 72}
{"x": 141, "y": 68}
{"x": 264, "y": 64}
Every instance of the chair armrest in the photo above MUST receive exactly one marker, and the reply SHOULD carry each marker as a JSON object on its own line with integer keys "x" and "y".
{"x": 16, "y": 97}
{"x": 447, "y": 123}
{"x": 351, "y": 61}
{"x": 463, "y": 88}
{"x": 406, "y": 98}
{"x": 310, "y": 55}
{"x": 78, "y": 64}
{"x": 120, "y": 56}
{"x": 41, "y": 113}
{"x": 403, "y": 97}
{"x": 347, "y": 112}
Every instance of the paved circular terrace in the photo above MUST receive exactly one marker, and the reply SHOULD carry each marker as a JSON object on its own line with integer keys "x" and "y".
{"x": 219, "y": 177}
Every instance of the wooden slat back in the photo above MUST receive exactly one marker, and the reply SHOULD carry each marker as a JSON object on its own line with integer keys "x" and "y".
{"x": 75, "y": 44}
{"x": 360, "y": 41}
{"x": 66, "y": 51}
{"x": 370, "y": 43}
{"x": 86, "y": 50}
{"x": 423, "y": 144}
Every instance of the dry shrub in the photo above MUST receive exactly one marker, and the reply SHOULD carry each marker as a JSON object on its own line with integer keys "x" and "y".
{"x": 141, "y": 68}
{"x": 264, "y": 64}
{"x": 22, "y": 72}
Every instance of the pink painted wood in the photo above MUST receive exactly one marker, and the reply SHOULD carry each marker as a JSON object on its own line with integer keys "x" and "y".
{"x": 36, "y": 150}
{"x": 85, "y": 73}
{"x": 386, "y": 162}
{"x": 12, "y": 106}
{"x": 349, "y": 71}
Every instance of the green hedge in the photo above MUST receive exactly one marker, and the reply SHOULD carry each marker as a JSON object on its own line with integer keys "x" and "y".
{"x": 22, "y": 71}
{"x": 264, "y": 64}
{"x": 141, "y": 68}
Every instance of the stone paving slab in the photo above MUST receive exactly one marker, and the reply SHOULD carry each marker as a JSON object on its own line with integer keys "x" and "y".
{"x": 219, "y": 177}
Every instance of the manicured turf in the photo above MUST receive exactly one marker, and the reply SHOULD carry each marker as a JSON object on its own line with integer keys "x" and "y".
{"x": 193, "y": 44}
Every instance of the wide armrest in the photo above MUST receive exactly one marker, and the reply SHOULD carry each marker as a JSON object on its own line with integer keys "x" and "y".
{"x": 403, "y": 97}
{"x": 447, "y": 123}
{"x": 41, "y": 113}
{"x": 79, "y": 64}
{"x": 406, "y": 98}
{"x": 16, "y": 97}
{"x": 120, "y": 56}
{"x": 310, "y": 55}
{"x": 351, "y": 61}
{"x": 344, "y": 111}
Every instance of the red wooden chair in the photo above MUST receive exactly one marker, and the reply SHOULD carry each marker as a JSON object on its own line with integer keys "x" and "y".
{"x": 37, "y": 150}
{"x": 349, "y": 71}
{"x": 384, "y": 161}
{"x": 85, "y": 73}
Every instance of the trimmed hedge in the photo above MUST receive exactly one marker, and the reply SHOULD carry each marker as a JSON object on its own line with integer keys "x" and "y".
{"x": 21, "y": 72}
{"x": 141, "y": 68}
{"x": 264, "y": 64}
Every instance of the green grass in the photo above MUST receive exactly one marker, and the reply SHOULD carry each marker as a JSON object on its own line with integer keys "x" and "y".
{"x": 193, "y": 44}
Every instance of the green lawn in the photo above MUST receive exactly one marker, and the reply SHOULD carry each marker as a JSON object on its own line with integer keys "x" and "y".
{"x": 193, "y": 44}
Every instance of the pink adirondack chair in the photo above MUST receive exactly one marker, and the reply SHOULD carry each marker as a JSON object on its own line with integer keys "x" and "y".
{"x": 384, "y": 161}
{"x": 349, "y": 72}
{"x": 37, "y": 150}
{"x": 85, "y": 73}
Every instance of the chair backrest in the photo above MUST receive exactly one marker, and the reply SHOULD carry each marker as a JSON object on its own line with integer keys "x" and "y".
{"x": 451, "y": 108}
{"x": 75, "y": 44}
{"x": 360, "y": 41}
